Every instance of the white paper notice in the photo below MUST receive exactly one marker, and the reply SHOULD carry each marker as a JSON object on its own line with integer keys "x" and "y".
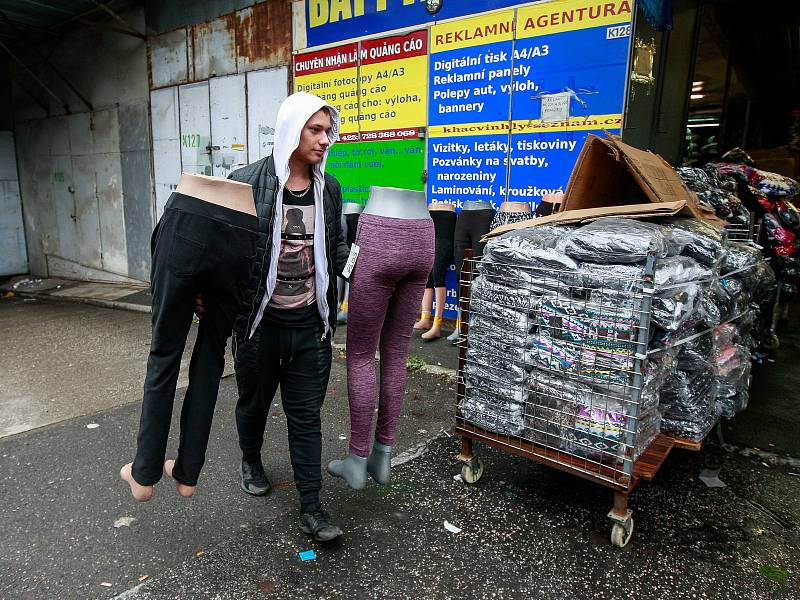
{"x": 555, "y": 107}
{"x": 351, "y": 261}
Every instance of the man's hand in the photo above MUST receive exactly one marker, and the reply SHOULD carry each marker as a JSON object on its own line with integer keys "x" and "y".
{"x": 199, "y": 308}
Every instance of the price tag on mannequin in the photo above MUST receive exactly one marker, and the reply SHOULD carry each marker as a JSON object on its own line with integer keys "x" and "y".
{"x": 351, "y": 261}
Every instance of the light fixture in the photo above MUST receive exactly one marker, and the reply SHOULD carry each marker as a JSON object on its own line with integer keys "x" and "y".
{"x": 693, "y": 125}
{"x": 696, "y": 96}
{"x": 433, "y": 6}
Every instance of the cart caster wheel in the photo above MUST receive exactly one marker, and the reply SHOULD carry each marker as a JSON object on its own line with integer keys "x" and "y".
{"x": 771, "y": 343}
{"x": 472, "y": 470}
{"x": 621, "y": 535}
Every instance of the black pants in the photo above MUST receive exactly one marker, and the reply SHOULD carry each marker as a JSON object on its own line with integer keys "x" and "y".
{"x": 196, "y": 247}
{"x": 297, "y": 359}
{"x": 444, "y": 226}
{"x": 471, "y": 226}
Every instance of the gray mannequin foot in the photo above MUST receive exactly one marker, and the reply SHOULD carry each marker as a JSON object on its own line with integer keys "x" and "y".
{"x": 352, "y": 469}
{"x": 454, "y": 337}
{"x": 379, "y": 463}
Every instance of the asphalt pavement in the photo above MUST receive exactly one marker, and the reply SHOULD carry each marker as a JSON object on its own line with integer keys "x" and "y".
{"x": 71, "y": 530}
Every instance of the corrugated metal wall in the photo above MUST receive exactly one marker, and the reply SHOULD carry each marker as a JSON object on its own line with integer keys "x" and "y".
{"x": 216, "y": 89}
{"x": 85, "y": 177}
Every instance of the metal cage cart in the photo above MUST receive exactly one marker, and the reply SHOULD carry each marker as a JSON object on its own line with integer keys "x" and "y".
{"x": 553, "y": 367}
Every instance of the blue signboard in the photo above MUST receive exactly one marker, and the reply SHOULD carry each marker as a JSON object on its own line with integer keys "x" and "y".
{"x": 331, "y": 21}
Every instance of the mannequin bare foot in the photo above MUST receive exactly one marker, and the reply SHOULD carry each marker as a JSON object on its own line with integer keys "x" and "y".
{"x": 187, "y": 491}
{"x": 423, "y": 324}
{"x": 434, "y": 333}
{"x": 141, "y": 493}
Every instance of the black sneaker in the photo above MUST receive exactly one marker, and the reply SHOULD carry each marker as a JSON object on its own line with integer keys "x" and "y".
{"x": 317, "y": 523}
{"x": 253, "y": 480}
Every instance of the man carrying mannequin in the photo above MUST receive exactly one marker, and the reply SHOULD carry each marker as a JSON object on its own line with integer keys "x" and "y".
{"x": 283, "y": 334}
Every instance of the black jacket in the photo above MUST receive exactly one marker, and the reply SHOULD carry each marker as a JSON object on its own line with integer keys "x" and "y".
{"x": 261, "y": 175}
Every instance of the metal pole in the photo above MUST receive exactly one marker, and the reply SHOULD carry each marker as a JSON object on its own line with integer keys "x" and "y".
{"x": 116, "y": 17}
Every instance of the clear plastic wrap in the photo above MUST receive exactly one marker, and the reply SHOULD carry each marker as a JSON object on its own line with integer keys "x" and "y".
{"x": 696, "y": 239}
{"x": 600, "y": 432}
{"x": 507, "y": 319}
{"x": 614, "y": 240}
{"x": 613, "y": 277}
{"x": 688, "y": 403}
{"x": 673, "y": 308}
{"x": 602, "y": 369}
{"x": 678, "y": 270}
{"x": 530, "y": 246}
{"x": 497, "y": 294}
{"x": 553, "y": 403}
{"x": 603, "y": 328}
{"x": 534, "y": 280}
{"x": 491, "y": 412}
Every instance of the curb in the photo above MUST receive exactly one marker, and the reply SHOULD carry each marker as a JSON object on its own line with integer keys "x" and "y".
{"x": 140, "y": 308}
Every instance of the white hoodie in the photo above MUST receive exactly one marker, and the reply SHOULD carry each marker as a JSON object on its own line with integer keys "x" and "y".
{"x": 293, "y": 114}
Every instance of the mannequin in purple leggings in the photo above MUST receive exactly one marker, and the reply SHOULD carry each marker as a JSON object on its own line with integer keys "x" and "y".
{"x": 396, "y": 241}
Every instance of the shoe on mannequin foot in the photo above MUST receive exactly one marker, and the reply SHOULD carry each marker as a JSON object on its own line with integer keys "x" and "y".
{"x": 454, "y": 337}
{"x": 352, "y": 469}
{"x": 141, "y": 493}
{"x": 379, "y": 463}
{"x": 187, "y": 491}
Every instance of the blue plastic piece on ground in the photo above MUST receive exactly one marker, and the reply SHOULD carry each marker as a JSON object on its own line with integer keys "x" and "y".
{"x": 308, "y": 555}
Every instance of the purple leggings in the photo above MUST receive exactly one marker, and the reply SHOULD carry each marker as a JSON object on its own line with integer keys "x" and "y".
{"x": 386, "y": 289}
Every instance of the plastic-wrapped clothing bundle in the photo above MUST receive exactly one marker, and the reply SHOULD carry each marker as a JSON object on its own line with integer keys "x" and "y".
{"x": 507, "y": 319}
{"x": 534, "y": 280}
{"x": 552, "y": 406}
{"x": 603, "y": 328}
{"x": 603, "y": 369}
{"x": 485, "y": 336}
{"x": 671, "y": 309}
{"x": 497, "y": 294}
{"x": 710, "y": 190}
{"x": 614, "y": 240}
{"x": 743, "y": 262}
{"x": 677, "y": 270}
{"x": 732, "y": 367}
{"x": 788, "y": 214}
{"x": 481, "y": 366}
{"x": 688, "y": 403}
{"x": 601, "y": 431}
{"x": 507, "y": 218}
{"x": 533, "y": 246}
{"x": 696, "y": 239}
{"x": 491, "y": 412}
{"x": 620, "y": 278}
{"x": 724, "y": 335}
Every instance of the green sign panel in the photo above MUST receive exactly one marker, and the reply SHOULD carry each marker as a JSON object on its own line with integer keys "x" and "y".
{"x": 360, "y": 165}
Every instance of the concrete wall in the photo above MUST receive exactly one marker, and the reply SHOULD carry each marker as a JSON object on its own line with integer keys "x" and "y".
{"x": 85, "y": 175}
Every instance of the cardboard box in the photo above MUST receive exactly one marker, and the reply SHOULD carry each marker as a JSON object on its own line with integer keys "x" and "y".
{"x": 585, "y": 215}
{"x": 611, "y": 173}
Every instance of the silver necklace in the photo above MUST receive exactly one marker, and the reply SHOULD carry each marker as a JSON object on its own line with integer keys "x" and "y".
{"x": 299, "y": 194}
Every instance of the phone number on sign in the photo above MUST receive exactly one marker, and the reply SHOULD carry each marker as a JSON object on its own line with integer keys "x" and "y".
{"x": 390, "y": 135}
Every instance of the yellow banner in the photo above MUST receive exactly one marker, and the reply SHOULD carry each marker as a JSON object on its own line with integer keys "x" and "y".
{"x": 477, "y": 31}
{"x": 593, "y": 122}
{"x": 339, "y": 89}
{"x": 570, "y": 15}
{"x": 393, "y": 94}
